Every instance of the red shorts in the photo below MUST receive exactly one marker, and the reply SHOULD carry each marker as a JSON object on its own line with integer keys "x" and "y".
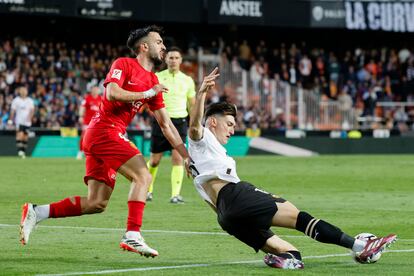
{"x": 84, "y": 127}
{"x": 105, "y": 151}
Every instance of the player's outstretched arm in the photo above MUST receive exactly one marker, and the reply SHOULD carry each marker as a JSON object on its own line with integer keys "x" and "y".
{"x": 172, "y": 135}
{"x": 196, "y": 129}
{"x": 116, "y": 93}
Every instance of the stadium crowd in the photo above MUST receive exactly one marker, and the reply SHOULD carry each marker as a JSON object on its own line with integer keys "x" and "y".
{"x": 58, "y": 76}
{"x": 355, "y": 77}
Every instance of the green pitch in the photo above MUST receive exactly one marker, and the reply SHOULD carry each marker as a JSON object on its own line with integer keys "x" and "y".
{"x": 357, "y": 193}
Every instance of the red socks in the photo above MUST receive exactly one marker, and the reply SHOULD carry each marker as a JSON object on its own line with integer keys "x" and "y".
{"x": 135, "y": 214}
{"x": 66, "y": 208}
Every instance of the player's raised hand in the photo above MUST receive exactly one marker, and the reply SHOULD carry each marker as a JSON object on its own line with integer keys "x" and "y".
{"x": 209, "y": 81}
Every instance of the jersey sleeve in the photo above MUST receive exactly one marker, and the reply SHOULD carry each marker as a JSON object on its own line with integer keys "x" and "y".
{"x": 156, "y": 102}
{"x": 117, "y": 73}
{"x": 191, "y": 88}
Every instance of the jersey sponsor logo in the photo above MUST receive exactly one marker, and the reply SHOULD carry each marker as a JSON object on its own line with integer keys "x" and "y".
{"x": 116, "y": 74}
{"x": 123, "y": 137}
{"x": 136, "y": 105}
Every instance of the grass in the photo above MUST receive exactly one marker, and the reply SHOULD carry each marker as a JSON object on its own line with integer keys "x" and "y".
{"x": 357, "y": 193}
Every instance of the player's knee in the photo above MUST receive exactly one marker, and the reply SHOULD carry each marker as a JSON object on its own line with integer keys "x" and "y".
{"x": 142, "y": 179}
{"x": 148, "y": 179}
{"x": 177, "y": 160}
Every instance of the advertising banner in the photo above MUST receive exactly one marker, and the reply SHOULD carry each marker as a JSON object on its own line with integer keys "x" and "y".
{"x": 390, "y": 16}
{"x": 396, "y": 16}
{"x": 41, "y": 7}
{"x": 154, "y": 10}
{"x": 259, "y": 12}
{"x": 327, "y": 14}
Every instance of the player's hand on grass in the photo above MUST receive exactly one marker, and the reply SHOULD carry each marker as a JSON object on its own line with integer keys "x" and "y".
{"x": 209, "y": 81}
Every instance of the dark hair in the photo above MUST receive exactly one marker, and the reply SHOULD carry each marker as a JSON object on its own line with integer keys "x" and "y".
{"x": 20, "y": 85}
{"x": 221, "y": 108}
{"x": 136, "y": 35}
{"x": 174, "y": 49}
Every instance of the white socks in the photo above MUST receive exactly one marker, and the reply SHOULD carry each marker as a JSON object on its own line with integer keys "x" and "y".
{"x": 42, "y": 212}
{"x": 134, "y": 235}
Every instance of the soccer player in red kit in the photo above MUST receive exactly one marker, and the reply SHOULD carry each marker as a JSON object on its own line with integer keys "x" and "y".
{"x": 129, "y": 84}
{"x": 90, "y": 105}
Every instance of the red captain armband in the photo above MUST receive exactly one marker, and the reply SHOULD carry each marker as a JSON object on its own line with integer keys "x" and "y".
{"x": 182, "y": 151}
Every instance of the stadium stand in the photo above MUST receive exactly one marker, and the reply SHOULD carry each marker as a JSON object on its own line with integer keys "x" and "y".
{"x": 294, "y": 78}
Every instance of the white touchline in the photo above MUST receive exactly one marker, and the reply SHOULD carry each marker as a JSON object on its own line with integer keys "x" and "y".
{"x": 157, "y": 231}
{"x": 199, "y": 265}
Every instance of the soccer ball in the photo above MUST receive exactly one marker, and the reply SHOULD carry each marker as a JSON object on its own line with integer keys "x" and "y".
{"x": 365, "y": 237}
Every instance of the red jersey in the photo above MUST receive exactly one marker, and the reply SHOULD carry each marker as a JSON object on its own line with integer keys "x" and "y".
{"x": 131, "y": 76}
{"x": 91, "y": 106}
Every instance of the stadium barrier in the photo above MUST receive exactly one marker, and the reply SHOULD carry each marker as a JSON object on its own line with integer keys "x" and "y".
{"x": 50, "y": 143}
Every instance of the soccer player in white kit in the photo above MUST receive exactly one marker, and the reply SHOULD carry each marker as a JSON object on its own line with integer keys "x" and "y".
{"x": 22, "y": 110}
{"x": 246, "y": 211}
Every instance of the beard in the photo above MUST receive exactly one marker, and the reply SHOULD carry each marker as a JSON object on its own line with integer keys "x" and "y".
{"x": 156, "y": 59}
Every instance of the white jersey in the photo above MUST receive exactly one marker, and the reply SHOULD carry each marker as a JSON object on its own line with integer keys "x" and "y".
{"x": 22, "y": 108}
{"x": 210, "y": 161}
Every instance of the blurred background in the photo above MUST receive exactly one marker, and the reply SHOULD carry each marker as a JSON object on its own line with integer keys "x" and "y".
{"x": 309, "y": 77}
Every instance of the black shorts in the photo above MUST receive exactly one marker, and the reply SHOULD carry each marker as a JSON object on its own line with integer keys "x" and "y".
{"x": 23, "y": 128}
{"x": 246, "y": 212}
{"x": 159, "y": 143}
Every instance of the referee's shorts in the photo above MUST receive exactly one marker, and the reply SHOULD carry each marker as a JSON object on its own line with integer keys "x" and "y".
{"x": 246, "y": 212}
{"x": 159, "y": 143}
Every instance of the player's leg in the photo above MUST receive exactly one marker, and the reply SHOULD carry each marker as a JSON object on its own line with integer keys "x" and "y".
{"x": 159, "y": 145}
{"x": 136, "y": 170}
{"x": 281, "y": 254}
{"x": 276, "y": 245}
{"x": 289, "y": 216}
{"x": 155, "y": 159}
{"x": 177, "y": 174}
{"x": 19, "y": 142}
{"x": 79, "y": 155}
{"x": 177, "y": 171}
{"x": 24, "y": 140}
{"x": 96, "y": 201}
{"x": 98, "y": 197}
{"x": 245, "y": 212}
